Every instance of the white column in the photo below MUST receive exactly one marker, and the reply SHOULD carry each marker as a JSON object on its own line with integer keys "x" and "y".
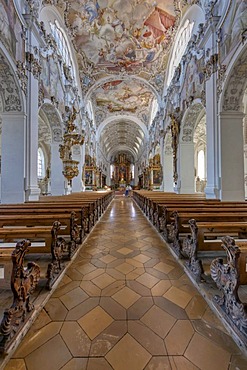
{"x": 168, "y": 171}
{"x": 212, "y": 188}
{"x": 32, "y": 188}
{"x": 57, "y": 177}
{"x": 232, "y": 156}
{"x": 77, "y": 181}
{"x": 13, "y": 158}
{"x": 186, "y": 168}
{"x": 82, "y": 165}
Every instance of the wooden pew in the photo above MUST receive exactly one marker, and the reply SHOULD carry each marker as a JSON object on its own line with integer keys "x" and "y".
{"x": 197, "y": 242}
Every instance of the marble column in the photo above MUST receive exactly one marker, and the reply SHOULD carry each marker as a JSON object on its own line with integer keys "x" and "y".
{"x": 168, "y": 171}
{"x": 231, "y": 156}
{"x": 77, "y": 181}
{"x": 57, "y": 177}
{"x": 13, "y": 171}
{"x": 186, "y": 168}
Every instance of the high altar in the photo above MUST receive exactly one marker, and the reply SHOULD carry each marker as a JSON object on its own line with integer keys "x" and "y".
{"x": 121, "y": 175}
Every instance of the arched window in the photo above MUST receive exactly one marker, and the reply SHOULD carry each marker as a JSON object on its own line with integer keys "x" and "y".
{"x": 62, "y": 45}
{"x": 201, "y": 164}
{"x": 41, "y": 164}
{"x": 181, "y": 43}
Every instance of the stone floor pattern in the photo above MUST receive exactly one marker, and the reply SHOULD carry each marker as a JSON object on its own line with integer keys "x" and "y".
{"x": 126, "y": 304}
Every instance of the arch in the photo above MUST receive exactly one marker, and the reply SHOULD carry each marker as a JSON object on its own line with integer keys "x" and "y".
{"x": 104, "y": 80}
{"x": 53, "y": 120}
{"x": 191, "y": 117}
{"x": 121, "y": 118}
{"x": 233, "y": 89}
{"x": 194, "y": 15}
{"x": 10, "y": 92}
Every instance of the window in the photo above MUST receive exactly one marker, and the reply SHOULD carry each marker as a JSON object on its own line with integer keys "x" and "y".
{"x": 41, "y": 163}
{"x": 181, "y": 43}
{"x": 201, "y": 164}
{"x": 62, "y": 44}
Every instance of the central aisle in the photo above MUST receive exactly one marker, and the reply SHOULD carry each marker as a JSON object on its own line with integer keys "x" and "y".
{"x": 126, "y": 304}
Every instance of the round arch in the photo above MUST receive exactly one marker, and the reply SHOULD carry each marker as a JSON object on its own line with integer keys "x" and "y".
{"x": 193, "y": 15}
{"x": 11, "y": 94}
{"x": 123, "y": 117}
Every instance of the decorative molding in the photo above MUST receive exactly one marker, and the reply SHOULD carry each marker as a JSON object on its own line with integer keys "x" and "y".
{"x": 21, "y": 74}
{"x": 211, "y": 66}
{"x": 33, "y": 65}
{"x": 8, "y": 87}
{"x": 220, "y": 79}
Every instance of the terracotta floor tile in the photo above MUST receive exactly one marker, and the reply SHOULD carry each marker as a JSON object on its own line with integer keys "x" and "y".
{"x": 159, "y": 363}
{"x": 90, "y": 289}
{"x": 73, "y": 298}
{"x": 148, "y": 280}
{"x": 158, "y": 321}
{"x": 82, "y": 309}
{"x": 178, "y": 296}
{"x": 128, "y": 354}
{"x": 125, "y": 268}
{"x": 36, "y": 338}
{"x": 126, "y": 297}
{"x": 139, "y": 308}
{"x": 147, "y": 338}
{"x": 141, "y": 258}
{"x": 179, "y": 337}
{"x": 52, "y": 355}
{"x": 163, "y": 267}
{"x": 95, "y": 321}
{"x": 114, "y": 309}
{"x": 181, "y": 363}
{"x": 108, "y": 258}
{"x": 160, "y": 288}
{"x": 16, "y": 364}
{"x": 56, "y": 309}
{"x": 204, "y": 351}
{"x": 98, "y": 364}
{"x": 103, "y": 280}
{"x": 76, "y": 340}
{"x": 76, "y": 364}
{"x": 125, "y": 251}
{"x": 108, "y": 338}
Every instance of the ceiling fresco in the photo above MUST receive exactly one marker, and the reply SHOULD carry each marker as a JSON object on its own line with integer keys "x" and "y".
{"x": 115, "y": 35}
{"x": 122, "y": 50}
{"x": 118, "y": 96}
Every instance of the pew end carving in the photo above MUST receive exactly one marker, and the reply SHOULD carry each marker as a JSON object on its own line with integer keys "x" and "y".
{"x": 58, "y": 248}
{"x": 189, "y": 248}
{"x": 23, "y": 283}
{"x": 226, "y": 277}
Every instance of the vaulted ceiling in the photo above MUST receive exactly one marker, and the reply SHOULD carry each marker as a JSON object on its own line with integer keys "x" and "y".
{"x": 122, "y": 49}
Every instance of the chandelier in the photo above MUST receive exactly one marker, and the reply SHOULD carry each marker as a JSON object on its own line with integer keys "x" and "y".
{"x": 70, "y": 138}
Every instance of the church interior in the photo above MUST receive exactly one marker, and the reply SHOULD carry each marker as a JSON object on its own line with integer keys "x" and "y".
{"x": 123, "y": 234}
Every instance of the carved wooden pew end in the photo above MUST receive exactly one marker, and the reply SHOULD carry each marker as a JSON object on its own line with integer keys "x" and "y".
{"x": 23, "y": 283}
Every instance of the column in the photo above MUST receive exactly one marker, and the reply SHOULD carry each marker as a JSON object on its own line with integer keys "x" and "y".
{"x": 168, "y": 171}
{"x": 32, "y": 188}
{"x": 77, "y": 181}
{"x": 232, "y": 156}
{"x": 13, "y": 158}
{"x": 186, "y": 168}
{"x": 57, "y": 177}
{"x": 212, "y": 188}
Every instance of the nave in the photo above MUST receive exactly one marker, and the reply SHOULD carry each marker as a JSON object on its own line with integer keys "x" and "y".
{"x": 126, "y": 304}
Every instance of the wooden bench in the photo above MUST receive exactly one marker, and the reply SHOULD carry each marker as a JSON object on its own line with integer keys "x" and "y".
{"x": 197, "y": 242}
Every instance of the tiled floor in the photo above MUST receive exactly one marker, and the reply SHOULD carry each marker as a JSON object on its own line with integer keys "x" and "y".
{"x": 126, "y": 304}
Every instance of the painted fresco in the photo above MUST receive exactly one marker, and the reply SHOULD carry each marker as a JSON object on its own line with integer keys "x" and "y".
{"x": 51, "y": 79}
{"x": 118, "y": 95}
{"x": 234, "y": 28}
{"x": 11, "y": 30}
{"x": 115, "y": 34}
